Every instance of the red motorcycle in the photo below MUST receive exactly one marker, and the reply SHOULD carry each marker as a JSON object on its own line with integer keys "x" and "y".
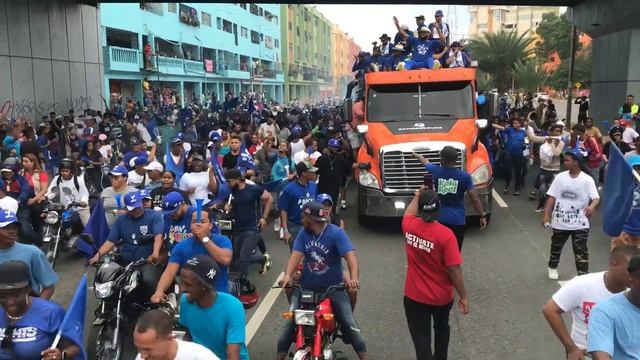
{"x": 316, "y": 327}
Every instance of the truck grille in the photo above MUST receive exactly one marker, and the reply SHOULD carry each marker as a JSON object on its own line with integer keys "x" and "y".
{"x": 401, "y": 172}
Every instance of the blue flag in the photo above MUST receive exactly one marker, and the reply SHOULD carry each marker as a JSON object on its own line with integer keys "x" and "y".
{"x": 73, "y": 323}
{"x": 252, "y": 107}
{"x": 618, "y": 193}
{"x": 245, "y": 161}
{"x": 97, "y": 228}
{"x": 217, "y": 168}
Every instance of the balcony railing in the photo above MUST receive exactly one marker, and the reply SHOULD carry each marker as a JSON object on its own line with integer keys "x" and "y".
{"x": 123, "y": 59}
{"x": 193, "y": 67}
{"x": 168, "y": 65}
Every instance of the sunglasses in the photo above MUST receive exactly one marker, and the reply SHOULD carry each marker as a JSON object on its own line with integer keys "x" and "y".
{"x": 8, "y": 337}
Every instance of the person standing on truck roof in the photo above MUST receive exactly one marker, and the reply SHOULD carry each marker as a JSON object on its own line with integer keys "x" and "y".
{"x": 423, "y": 48}
{"x": 441, "y": 26}
{"x": 451, "y": 184}
{"x": 419, "y": 22}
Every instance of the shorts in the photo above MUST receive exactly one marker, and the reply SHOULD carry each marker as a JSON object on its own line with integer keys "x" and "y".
{"x": 625, "y": 239}
{"x": 355, "y": 139}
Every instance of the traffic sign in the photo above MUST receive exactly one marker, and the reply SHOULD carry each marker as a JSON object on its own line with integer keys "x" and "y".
{"x": 578, "y": 85}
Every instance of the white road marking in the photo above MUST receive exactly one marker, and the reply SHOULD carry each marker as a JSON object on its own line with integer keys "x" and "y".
{"x": 562, "y": 282}
{"x": 256, "y": 320}
{"x": 498, "y": 199}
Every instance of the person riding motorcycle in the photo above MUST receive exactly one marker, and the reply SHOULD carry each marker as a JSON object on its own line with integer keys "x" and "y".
{"x": 322, "y": 246}
{"x": 70, "y": 188}
{"x": 139, "y": 233}
{"x": 109, "y": 196}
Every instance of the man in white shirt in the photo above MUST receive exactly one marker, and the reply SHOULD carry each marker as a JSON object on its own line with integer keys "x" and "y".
{"x": 198, "y": 183}
{"x": 154, "y": 340}
{"x": 138, "y": 176}
{"x": 572, "y": 199}
{"x": 581, "y": 294}
{"x": 310, "y": 152}
{"x": 629, "y": 135}
{"x": 70, "y": 188}
{"x": 268, "y": 127}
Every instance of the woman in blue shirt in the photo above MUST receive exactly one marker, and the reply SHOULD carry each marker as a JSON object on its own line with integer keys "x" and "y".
{"x": 514, "y": 154}
{"x": 29, "y": 324}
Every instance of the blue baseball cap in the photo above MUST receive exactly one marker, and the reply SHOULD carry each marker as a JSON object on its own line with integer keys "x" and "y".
{"x": 140, "y": 160}
{"x": 576, "y": 153}
{"x": 119, "y": 170}
{"x": 335, "y": 143}
{"x": 215, "y": 136}
{"x": 321, "y": 198}
{"x": 172, "y": 202}
{"x": 145, "y": 194}
{"x": 8, "y": 217}
{"x": 296, "y": 130}
{"x": 439, "y": 13}
{"x": 634, "y": 160}
{"x": 133, "y": 200}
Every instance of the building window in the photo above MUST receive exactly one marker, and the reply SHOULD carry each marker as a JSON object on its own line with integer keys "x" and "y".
{"x": 253, "y": 8}
{"x": 206, "y": 19}
{"x": 155, "y": 8}
{"x": 260, "y": 11}
{"x": 243, "y": 5}
{"x": 255, "y": 37}
{"x": 227, "y": 26}
{"x": 268, "y": 42}
{"x": 499, "y": 15}
{"x": 276, "y": 42}
{"x": 244, "y": 32}
{"x": 173, "y": 8}
{"x": 219, "y": 23}
{"x": 188, "y": 15}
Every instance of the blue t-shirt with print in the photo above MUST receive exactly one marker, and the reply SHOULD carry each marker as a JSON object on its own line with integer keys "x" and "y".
{"x": 450, "y": 184}
{"x": 191, "y": 247}
{"x": 632, "y": 226}
{"x": 246, "y": 206}
{"x": 614, "y": 328}
{"x": 514, "y": 140}
{"x": 34, "y": 332}
{"x": 217, "y": 326}
{"x": 42, "y": 274}
{"x": 423, "y": 49}
{"x": 135, "y": 236}
{"x": 322, "y": 256}
{"x": 177, "y": 230}
{"x": 293, "y": 198}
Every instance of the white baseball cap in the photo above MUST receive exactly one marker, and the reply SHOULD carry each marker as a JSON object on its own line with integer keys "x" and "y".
{"x": 154, "y": 165}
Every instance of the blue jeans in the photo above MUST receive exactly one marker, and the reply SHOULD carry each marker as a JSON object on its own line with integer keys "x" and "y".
{"x": 351, "y": 333}
{"x": 245, "y": 244}
{"x": 412, "y": 64}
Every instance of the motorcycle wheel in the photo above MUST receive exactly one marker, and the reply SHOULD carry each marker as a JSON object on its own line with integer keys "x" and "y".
{"x": 49, "y": 252}
{"x": 102, "y": 336}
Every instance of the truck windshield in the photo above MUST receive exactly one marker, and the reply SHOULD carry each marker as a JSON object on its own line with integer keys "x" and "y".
{"x": 410, "y": 102}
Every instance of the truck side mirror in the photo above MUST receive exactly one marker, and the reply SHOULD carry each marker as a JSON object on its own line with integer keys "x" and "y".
{"x": 348, "y": 110}
{"x": 363, "y": 129}
{"x": 482, "y": 123}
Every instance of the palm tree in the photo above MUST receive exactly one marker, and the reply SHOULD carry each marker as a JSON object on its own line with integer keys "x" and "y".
{"x": 498, "y": 53}
{"x": 529, "y": 76}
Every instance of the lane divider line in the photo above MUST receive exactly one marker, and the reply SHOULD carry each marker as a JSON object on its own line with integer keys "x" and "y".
{"x": 498, "y": 199}
{"x": 258, "y": 317}
{"x": 562, "y": 282}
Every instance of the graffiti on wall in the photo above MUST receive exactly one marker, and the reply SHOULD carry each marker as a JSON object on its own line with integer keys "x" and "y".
{"x": 38, "y": 109}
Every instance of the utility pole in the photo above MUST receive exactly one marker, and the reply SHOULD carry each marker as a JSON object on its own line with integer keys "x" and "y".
{"x": 572, "y": 58}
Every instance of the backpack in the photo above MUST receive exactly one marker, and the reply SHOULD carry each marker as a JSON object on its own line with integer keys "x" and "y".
{"x": 75, "y": 182}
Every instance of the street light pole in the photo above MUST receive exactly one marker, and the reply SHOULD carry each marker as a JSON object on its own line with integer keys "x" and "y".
{"x": 572, "y": 58}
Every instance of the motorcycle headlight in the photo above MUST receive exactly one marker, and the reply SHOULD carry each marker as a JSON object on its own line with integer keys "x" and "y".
{"x": 103, "y": 291}
{"x": 367, "y": 179}
{"x": 305, "y": 317}
{"x": 52, "y": 218}
{"x": 480, "y": 175}
{"x": 133, "y": 282}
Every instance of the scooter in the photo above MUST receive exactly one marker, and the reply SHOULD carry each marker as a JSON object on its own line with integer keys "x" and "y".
{"x": 316, "y": 326}
{"x": 62, "y": 229}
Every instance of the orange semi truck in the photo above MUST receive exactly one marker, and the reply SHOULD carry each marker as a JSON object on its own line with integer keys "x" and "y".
{"x": 421, "y": 111}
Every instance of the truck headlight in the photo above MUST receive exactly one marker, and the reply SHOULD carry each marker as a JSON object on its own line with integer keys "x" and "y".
{"x": 480, "y": 175}
{"x": 366, "y": 178}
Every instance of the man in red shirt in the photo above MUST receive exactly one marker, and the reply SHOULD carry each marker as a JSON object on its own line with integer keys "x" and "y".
{"x": 433, "y": 271}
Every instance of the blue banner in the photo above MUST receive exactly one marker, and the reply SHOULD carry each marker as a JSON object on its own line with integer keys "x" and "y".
{"x": 97, "y": 228}
{"x": 618, "y": 193}
{"x": 72, "y": 326}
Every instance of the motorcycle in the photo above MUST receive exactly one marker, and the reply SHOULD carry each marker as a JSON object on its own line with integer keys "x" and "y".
{"x": 117, "y": 312}
{"x": 62, "y": 229}
{"x": 316, "y": 327}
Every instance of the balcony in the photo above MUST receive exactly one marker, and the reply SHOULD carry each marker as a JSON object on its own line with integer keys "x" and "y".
{"x": 168, "y": 65}
{"x": 192, "y": 67}
{"x": 122, "y": 59}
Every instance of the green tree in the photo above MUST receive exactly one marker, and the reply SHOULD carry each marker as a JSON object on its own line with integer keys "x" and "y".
{"x": 582, "y": 71}
{"x": 529, "y": 76}
{"x": 498, "y": 53}
{"x": 555, "y": 33}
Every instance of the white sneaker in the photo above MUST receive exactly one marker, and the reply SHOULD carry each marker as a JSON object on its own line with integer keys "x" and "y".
{"x": 281, "y": 233}
{"x": 553, "y": 274}
{"x": 276, "y": 225}
{"x": 343, "y": 204}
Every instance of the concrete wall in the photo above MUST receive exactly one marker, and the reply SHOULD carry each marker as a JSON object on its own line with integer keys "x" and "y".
{"x": 615, "y": 31}
{"x": 50, "y": 57}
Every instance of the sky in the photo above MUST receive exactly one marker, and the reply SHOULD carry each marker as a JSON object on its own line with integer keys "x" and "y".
{"x": 366, "y": 23}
